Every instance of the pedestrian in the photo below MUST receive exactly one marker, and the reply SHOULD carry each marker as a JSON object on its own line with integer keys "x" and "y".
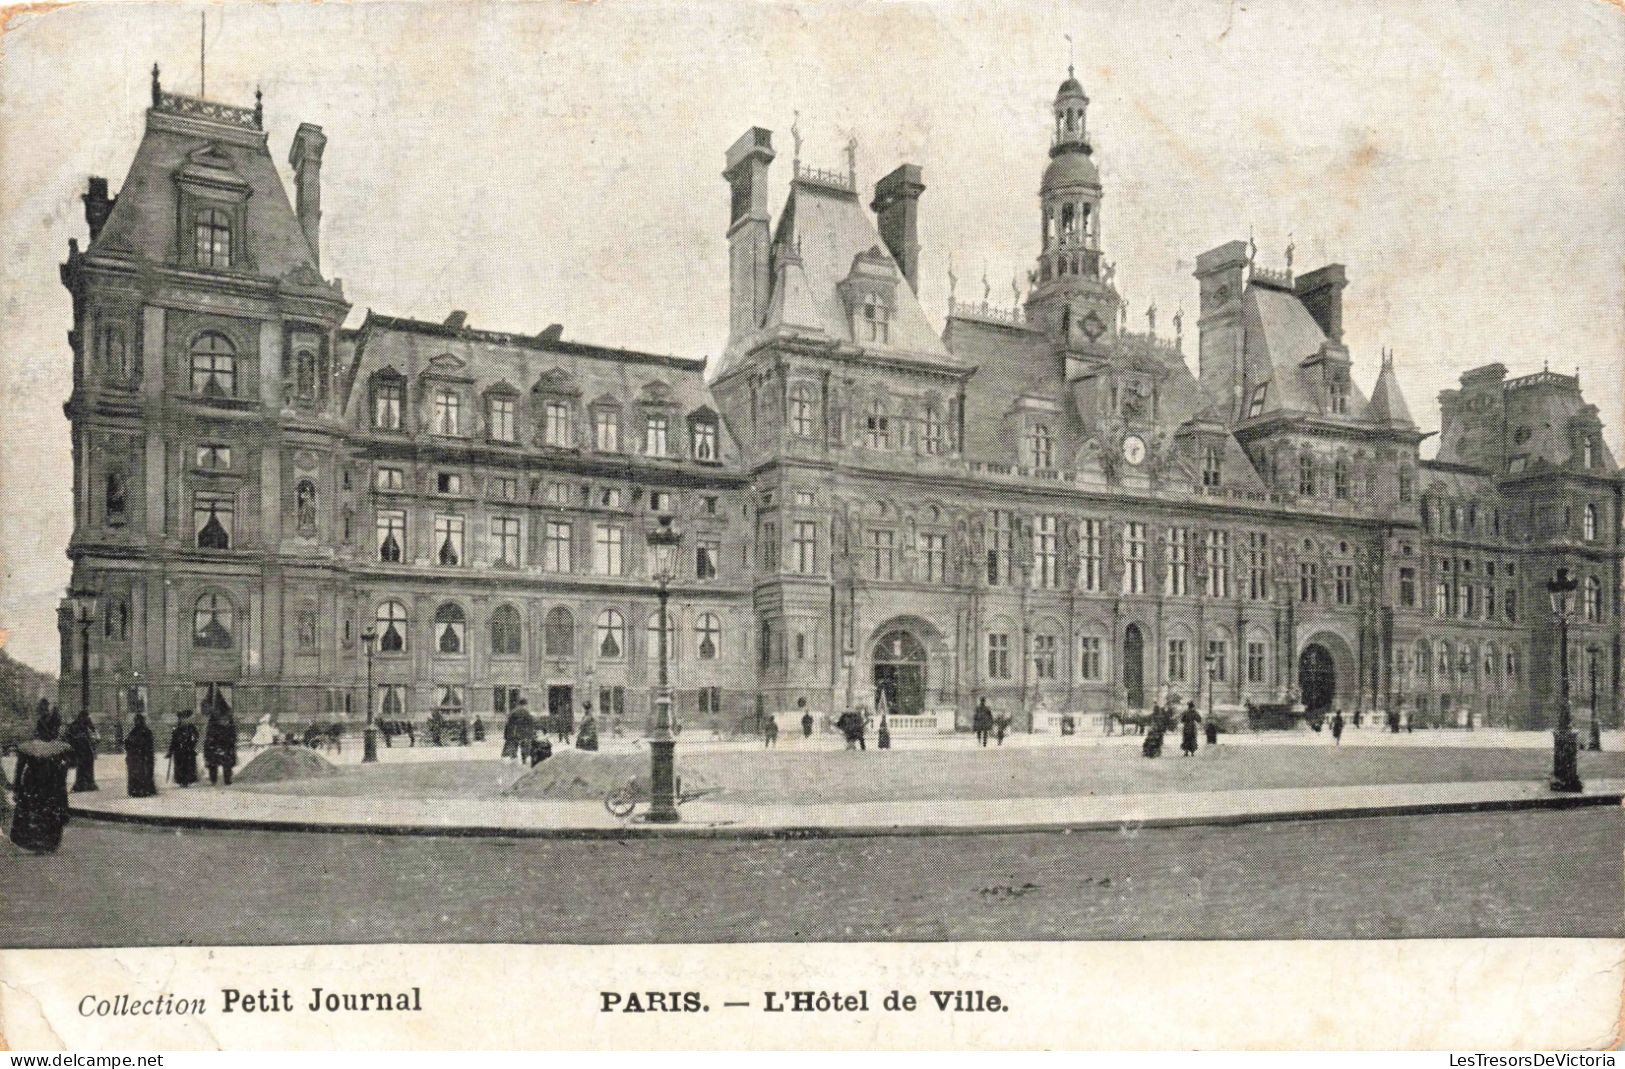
{"x": 479, "y": 728}
{"x": 1393, "y": 721}
{"x": 863, "y": 719}
{"x": 48, "y": 719}
{"x": 587, "y": 730}
{"x": 1187, "y": 728}
{"x": 139, "y": 757}
{"x": 770, "y": 733}
{"x": 1152, "y": 746}
{"x": 884, "y": 734}
{"x": 806, "y": 718}
{"x": 524, "y": 730}
{"x": 1410, "y": 723}
{"x": 982, "y": 721}
{"x": 1212, "y": 727}
{"x": 510, "y": 735}
{"x": 265, "y": 732}
{"x": 220, "y": 743}
{"x": 42, "y": 790}
{"x": 1337, "y": 727}
{"x": 81, "y": 738}
{"x": 561, "y": 724}
{"x": 183, "y": 749}
{"x": 1001, "y": 724}
{"x": 1357, "y": 716}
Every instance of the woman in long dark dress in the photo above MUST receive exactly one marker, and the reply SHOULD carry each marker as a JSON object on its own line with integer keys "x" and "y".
{"x": 1187, "y": 728}
{"x": 139, "y": 759}
{"x": 183, "y": 749}
{"x": 81, "y": 737}
{"x": 587, "y": 732}
{"x": 42, "y": 792}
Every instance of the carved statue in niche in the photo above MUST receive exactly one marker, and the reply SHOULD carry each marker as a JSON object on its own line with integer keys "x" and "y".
{"x": 117, "y": 496}
{"x": 964, "y": 557}
{"x": 1134, "y": 401}
{"x": 307, "y": 630}
{"x": 305, "y": 507}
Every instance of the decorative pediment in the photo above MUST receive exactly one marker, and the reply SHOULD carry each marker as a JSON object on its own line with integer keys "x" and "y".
{"x": 502, "y": 388}
{"x": 558, "y": 382}
{"x": 704, "y": 414}
{"x": 655, "y": 392}
{"x": 446, "y": 367}
{"x": 606, "y": 400}
{"x": 210, "y": 165}
{"x": 873, "y": 274}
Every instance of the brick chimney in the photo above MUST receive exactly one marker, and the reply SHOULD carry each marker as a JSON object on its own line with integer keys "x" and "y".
{"x": 1322, "y": 293}
{"x": 306, "y": 158}
{"x": 896, "y": 207}
{"x": 749, "y": 259}
{"x": 1221, "y": 273}
{"x": 98, "y": 205}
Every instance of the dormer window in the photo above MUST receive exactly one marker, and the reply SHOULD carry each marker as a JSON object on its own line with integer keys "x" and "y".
{"x": 1256, "y": 404}
{"x": 211, "y": 238}
{"x": 655, "y": 435}
{"x": 705, "y": 440}
{"x": 1211, "y": 458}
{"x": 1588, "y": 456}
{"x": 1041, "y": 447}
{"x": 499, "y": 418}
{"x": 876, "y": 320}
{"x": 1339, "y": 399}
{"x": 606, "y": 430}
{"x": 387, "y": 395}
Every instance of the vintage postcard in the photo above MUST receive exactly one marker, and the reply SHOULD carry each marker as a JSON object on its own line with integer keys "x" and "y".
{"x": 817, "y": 525}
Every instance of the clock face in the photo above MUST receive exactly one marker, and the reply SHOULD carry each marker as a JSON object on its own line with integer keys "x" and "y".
{"x": 1134, "y": 449}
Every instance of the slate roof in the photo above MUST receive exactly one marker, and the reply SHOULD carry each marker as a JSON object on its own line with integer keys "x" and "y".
{"x": 1281, "y": 335}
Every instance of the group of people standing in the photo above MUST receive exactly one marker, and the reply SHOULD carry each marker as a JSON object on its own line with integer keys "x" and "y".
{"x": 987, "y": 724}
{"x": 41, "y": 787}
{"x": 1163, "y": 720}
{"x": 520, "y": 730}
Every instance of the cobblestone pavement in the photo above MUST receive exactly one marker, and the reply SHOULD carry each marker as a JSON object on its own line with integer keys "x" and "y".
{"x": 1549, "y": 873}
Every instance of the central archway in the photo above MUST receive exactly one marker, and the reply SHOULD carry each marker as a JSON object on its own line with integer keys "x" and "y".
{"x": 900, "y": 676}
{"x": 1317, "y": 678}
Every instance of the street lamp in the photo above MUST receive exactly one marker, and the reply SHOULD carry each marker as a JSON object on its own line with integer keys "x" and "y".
{"x": 1212, "y": 674}
{"x": 84, "y": 614}
{"x": 369, "y": 736}
{"x": 1595, "y": 742}
{"x": 663, "y": 543}
{"x": 1565, "y": 747}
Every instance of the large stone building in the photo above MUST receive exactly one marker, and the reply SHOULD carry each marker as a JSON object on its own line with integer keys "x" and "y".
{"x": 1033, "y": 504}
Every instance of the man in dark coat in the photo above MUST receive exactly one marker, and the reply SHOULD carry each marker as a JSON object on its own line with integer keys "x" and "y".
{"x": 982, "y": 721}
{"x": 42, "y": 791}
{"x": 524, "y": 730}
{"x": 806, "y": 722}
{"x": 139, "y": 759}
{"x": 510, "y": 735}
{"x": 183, "y": 749}
{"x": 1001, "y": 725}
{"x": 883, "y": 734}
{"x": 1337, "y": 728}
{"x": 220, "y": 744}
{"x": 770, "y": 732}
{"x": 81, "y": 737}
{"x": 1187, "y": 728}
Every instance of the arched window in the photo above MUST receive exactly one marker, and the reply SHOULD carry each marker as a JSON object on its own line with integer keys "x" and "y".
{"x": 212, "y": 618}
{"x": 1041, "y": 447}
{"x": 448, "y": 628}
{"x": 1441, "y": 659}
{"x": 116, "y": 620}
{"x": 392, "y": 627}
{"x": 211, "y": 238}
{"x": 214, "y": 365}
{"x": 708, "y": 630}
{"x": 1591, "y": 523}
{"x": 652, "y": 631}
{"x": 1593, "y": 599}
{"x": 611, "y": 630}
{"x": 803, "y": 418}
{"x": 505, "y": 631}
{"x": 559, "y": 633}
{"x": 1424, "y": 662}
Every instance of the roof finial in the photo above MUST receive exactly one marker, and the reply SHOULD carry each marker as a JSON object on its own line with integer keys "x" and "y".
{"x": 1179, "y": 329}
{"x": 987, "y": 290}
{"x": 1151, "y": 319}
{"x": 259, "y": 108}
{"x": 795, "y": 135}
{"x": 156, "y": 91}
{"x": 1289, "y": 249}
{"x": 852, "y": 161}
{"x": 953, "y": 280}
{"x": 1071, "y": 54}
{"x": 1252, "y": 248}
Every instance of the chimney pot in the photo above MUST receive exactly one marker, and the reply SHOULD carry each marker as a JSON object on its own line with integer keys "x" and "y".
{"x": 456, "y": 320}
{"x": 896, "y": 207}
{"x": 305, "y": 156}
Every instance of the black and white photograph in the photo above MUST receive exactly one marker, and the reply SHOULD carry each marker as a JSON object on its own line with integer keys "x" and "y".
{"x": 746, "y": 474}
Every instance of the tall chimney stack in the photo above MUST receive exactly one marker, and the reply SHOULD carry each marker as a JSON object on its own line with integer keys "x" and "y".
{"x": 1322, "y": 294}
{"x": 749, "y": 259}
{"x": 98, "y": 206}
{"x": 896, "y": 207}
{"x": 306, "y": 158}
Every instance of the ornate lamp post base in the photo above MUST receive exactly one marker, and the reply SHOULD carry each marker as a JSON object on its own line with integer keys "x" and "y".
{"x": 1566, "y": 762}
{"x": 369, "y": 745}
{"x": 662, "y": 781}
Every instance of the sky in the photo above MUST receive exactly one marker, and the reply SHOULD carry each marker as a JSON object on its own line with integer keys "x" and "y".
{"x": 537, "y": 163}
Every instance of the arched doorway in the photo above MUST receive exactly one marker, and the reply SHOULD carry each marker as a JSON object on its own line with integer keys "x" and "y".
{"x": 1134, "y": 666}
{"x": 1317, "y": 677}
{"x": 899, "y": 673}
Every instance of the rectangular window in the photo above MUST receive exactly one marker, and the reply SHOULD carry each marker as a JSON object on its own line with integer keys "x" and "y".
{"x": 606, "y": 549}
{"x": 1308, "y": 582}
{"x": 1343, "y": 576}
{"x": 1258, "y": 546}
{"x": 505, "y": 489}
{"x": 998, "y": 655}
{"x": 806, "y": 499}
{"x": 710, "y": 701}
{"x": 1218, "y": 564}
{"x": 1134, "y": 558}
{"x": 447, "y": 412}
{"x": 1001, "y": 543}
{"x": 934, "y": 558}
{"x": 1255, "y": 662}
{"x": 1441, "y": 598}
{"x": 556, "y": 428}
{"x": 878, "y": 428}
{"x": 1090, "y": 662}
{"x": 770, "y": 545}
{"x": 505, "y": 541}
{"x": 881, "y": 555}
{"x": 1407, "y": 588}
{"x": 660, "y": 501}
{"x": 804, "y": 547}
{"x": 801, "y": 416}
{"x": 606, "y": 430}
{"x": 1090, "y": 556}
{"x": 391, "y": 535}
{"x": 1511, "y": 603}
{"x": 1177, "y": 580}
{"x": 707, "y": 557}
{"x": 1178, "y": 660}
{"x": 1218, "y": 656}
{"x": 710, "y": 506}
{"x": 448, "y": 541}
{"x": 499, "y": 416}
{"x": 1255, "y": 404}
{"x": 386, "y": 406}
{"x": 556, "y": 541}
{"x": 212, "y": 516}
{"x": 558, "y": 493}
{"x": 1044, "y": 656}
{"x": 705, "y": 440}
{"x": 609, "y": 497}
{"x": 448, "y": 482}
{"x": 1046, "y": 553}
{"x": 654, "y": 435}
{"x": 212, "y": 457}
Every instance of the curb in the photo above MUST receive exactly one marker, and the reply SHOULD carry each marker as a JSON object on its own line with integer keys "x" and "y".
{"x": 785, "y": 833}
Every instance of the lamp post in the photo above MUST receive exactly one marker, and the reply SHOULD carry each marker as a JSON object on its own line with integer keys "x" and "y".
{"x": 663, "y": 543}
{"x": 84, "y": 614}
{"x": 1565, "y": 746}
{"x": 1595, "y": 742}
{"x": 369, "y": 736}
{"x": 1212, "y": 676}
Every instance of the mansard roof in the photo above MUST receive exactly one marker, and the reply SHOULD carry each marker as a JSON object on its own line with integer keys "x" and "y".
{"x": 1387, "y": 400}
{"x": 1282, "y": 341}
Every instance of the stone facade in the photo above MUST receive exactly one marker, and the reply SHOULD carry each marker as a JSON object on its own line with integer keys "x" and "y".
{"x": 1033, "y": 504}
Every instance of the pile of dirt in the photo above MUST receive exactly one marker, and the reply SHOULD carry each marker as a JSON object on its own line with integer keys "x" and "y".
{"x": 585, "y": 775}
{"x": 279, "y": 763}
